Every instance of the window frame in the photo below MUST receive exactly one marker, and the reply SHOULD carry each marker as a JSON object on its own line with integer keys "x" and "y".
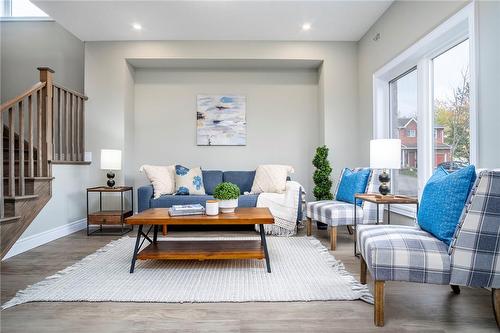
{"x": 7, "y": 7}
{"x": 452, "y": 32}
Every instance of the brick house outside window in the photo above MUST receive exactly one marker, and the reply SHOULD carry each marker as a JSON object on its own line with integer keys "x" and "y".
{"x": 408, "y": 134}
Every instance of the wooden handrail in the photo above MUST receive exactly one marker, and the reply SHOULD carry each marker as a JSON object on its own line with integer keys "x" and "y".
{"x": 15, "y": 100}
{"x": 76, "y": 93}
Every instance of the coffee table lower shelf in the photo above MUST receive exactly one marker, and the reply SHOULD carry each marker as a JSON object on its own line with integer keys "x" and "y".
{"x": 203, "y": 250}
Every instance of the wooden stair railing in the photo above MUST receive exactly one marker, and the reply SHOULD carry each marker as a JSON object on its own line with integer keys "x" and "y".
{"x": 43, "y": 125}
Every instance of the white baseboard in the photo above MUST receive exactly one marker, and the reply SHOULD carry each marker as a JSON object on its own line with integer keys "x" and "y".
{"x": 27, "y": 243}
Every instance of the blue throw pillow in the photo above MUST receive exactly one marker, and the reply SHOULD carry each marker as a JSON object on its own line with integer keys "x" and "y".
{"x": 443, "y": 200}
{"x": 352, "y": 182}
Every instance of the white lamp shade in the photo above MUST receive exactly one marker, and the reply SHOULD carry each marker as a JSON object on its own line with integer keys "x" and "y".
{"x": 385, "y": 154}
{"x": 111, "y": 159}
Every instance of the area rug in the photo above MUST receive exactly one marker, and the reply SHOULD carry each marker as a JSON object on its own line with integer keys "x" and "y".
{"x": 302, "y": 270}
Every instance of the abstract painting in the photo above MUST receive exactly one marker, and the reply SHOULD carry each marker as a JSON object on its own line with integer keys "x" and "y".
{"x": 221, "y": 120}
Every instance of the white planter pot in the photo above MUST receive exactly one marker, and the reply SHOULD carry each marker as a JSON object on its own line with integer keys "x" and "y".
{"x": 228, "y": 206}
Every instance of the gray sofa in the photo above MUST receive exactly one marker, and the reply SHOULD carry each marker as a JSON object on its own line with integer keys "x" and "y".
{"x": 244, "y": 180}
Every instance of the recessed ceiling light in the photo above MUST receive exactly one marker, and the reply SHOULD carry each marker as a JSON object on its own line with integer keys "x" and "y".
{"x": 306, "y": 26}
{"x": 137, "y": 26}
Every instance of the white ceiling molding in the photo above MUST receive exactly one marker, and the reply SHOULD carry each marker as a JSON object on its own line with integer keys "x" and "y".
{"x": 215, "y": 20}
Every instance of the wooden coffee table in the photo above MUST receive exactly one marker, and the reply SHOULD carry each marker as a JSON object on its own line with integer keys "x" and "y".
{"x": 203, "y": 249}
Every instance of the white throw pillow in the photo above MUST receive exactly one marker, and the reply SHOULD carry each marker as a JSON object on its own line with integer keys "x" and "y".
{"x": 161, "y": 177}
{"x": 271, "y": 178}
{"x": 188, "y": 181}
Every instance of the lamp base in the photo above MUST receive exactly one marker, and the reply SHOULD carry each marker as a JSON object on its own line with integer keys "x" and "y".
{"x": 384, "y": 179}
{"x": 111, "y": 181}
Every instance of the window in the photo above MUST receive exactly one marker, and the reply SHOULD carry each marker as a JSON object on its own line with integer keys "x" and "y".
{"x": 426, "y": 97}
{"x": 451, "y": 83}
{"x": 403, "y": 123}
{"x": 21, "y": 9}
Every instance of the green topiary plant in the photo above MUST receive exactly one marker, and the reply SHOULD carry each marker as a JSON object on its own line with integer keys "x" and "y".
{"x": 226, "y": 191}
{"x": 321, "y": 177}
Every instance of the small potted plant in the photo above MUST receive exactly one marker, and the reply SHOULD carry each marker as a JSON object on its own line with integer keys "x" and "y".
{"x": 227, "y": 194}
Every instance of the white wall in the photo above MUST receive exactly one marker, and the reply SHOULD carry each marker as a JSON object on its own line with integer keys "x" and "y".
{"x": 24, "y": 47}
{"x": 488, "y": 85}
{"x": 109, "y": 80}
{"x": 28, "y": 45}
{"x": 282, "y": 119}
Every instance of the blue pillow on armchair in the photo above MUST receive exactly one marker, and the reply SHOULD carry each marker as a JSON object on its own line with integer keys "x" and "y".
{"x": 352, "y": 182}
{"x": 443, "y": 200}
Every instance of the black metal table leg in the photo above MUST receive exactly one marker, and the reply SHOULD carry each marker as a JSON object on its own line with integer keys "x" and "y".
{"x": 388, "y": 213}
{"x": 136, "y": 249}
{"x": 155, "y": 234}
{"x": 264, "y": 244}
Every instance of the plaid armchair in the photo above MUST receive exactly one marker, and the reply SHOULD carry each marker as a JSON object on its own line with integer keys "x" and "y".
{"x": 402, "y": 253}
{"x": 338, "y": 213}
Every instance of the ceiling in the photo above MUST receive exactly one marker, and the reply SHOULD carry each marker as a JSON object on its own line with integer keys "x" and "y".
{"x": 216, "y": 20}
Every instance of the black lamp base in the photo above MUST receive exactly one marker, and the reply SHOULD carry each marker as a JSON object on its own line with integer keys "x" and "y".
{"x": 111, "y": 181}
{"x": 384, "y": 179}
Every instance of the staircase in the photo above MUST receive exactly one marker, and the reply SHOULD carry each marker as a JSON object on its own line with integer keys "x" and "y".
{"x": 41, "y": 127}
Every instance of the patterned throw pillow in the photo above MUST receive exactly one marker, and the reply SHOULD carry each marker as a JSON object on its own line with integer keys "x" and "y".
{"x": 188, "y": 181}
{"x": 161, "y": 177}
{"x": 271, "y": 178}
{"x": 443, "y": 201}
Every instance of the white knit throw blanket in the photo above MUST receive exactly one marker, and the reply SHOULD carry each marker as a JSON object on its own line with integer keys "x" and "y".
{"x": 284, "y": 208}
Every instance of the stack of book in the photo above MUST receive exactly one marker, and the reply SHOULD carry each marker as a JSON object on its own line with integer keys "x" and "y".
{"x": 180, "y": 210}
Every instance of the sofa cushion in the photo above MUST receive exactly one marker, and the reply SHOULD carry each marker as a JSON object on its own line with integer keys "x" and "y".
{"x": 166, "y": 201}
{"x": 211, "y": 178}
{"x": 248, "y": 200}
{"x": 443, "y": 201}
{"x": 352, "y": 182}
{"x": 244, "y": 179}
{"x": 188, "y": 181}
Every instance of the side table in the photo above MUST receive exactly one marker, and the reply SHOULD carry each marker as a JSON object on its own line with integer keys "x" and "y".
{"x": 380, "y": 199}
{"x": 110, "y": 217}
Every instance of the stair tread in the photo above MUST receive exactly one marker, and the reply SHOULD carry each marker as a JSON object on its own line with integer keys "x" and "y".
{"x": 9, "y": 219}
{"x": 21, "y": 197}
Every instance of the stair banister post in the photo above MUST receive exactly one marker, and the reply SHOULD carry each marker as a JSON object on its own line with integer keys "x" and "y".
{"x": 46, "y": 75}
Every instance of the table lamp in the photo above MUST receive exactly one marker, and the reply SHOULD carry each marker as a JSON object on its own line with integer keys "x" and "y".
{"x": 385, "y": 154}
{"x": 111, "y": 159}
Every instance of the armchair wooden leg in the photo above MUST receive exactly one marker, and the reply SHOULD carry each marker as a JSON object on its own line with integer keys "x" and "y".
{"x": 379, "y": 303}
{"x": 309, "y": 226}
{"x": 333, "y": 238}
{"x": 164, "y": 230}
{"x": 362, "y": 274}
{"x": 495, "y": 299}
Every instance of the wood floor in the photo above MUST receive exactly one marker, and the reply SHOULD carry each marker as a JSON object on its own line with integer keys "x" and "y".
{"x": 409, "y": 307}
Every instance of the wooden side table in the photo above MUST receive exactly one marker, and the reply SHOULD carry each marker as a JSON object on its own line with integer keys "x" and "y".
{"x": 110, "y": 217}
{"x": 380, "y": 199}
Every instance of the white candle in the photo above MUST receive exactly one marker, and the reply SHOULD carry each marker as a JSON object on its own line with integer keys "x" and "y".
{"x": 212, "y": 207}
